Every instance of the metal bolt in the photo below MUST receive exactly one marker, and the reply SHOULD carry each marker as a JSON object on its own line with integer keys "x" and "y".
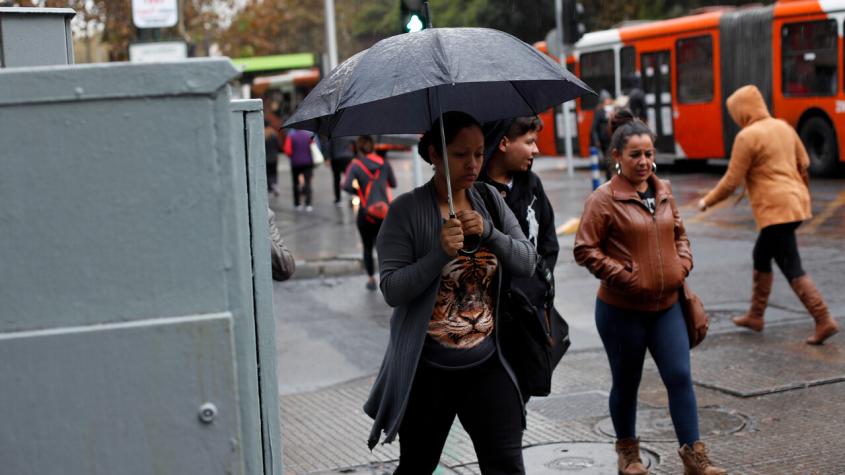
{"x": 208, "y": 412}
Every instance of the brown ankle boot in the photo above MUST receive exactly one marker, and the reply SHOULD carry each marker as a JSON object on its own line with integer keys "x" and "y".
{"x": 810, "y": 296}
{"x": 760, "y": 290}
{"x": 697, "y": 462}
{"x": 630, "y": 462}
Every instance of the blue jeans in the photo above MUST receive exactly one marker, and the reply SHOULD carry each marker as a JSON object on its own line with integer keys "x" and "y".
{"x": 626, "y": 335}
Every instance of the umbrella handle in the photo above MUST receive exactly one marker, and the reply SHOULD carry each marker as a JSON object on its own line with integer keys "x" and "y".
{"x": 472, "y": 243}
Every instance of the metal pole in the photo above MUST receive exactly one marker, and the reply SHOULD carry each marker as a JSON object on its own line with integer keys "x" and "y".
{"x": 567, "y": 135}
{"x": 416, "y": 168}
{"x": 331, "y": 35}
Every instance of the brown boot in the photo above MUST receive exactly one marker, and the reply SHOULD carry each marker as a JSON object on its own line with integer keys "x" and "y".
{"x": 630, "y": 462}
{"x": 760, "y": 290}
{"x": 810, "y": 296}
{"x": 697, "y": 462}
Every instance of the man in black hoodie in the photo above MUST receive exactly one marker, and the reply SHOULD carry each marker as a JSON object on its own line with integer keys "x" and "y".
{"x": 509, "y": 149}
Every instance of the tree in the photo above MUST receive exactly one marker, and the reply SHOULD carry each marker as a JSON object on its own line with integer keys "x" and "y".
{"x": 198, "y": 24}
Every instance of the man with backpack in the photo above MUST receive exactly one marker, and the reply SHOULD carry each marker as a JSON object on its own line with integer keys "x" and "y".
{"x": 510, "y": 146}
{"x": 370, "y": 177}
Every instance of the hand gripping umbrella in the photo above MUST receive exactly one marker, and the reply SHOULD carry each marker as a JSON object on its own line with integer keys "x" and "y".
{"x": 402, "y": 83}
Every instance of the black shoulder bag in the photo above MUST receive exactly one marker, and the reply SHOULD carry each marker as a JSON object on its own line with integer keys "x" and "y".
{"x": 533, "y": 339}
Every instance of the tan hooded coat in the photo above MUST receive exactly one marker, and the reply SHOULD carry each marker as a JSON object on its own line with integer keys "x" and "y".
{"x": 770, "y": 159}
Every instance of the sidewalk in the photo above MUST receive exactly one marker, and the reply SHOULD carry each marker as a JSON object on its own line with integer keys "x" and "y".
{"x": 768, "y": 404}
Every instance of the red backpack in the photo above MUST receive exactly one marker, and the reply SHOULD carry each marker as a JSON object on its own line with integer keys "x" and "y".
{"x": 376, "y": 204}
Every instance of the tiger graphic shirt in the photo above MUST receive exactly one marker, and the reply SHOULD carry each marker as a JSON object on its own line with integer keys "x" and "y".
{"x": 463, "y": 315}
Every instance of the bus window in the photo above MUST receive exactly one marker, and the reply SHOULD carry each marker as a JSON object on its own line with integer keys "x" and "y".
{"x": 694, "y": 60}
{"x": 809, "y": 58}
{"x": 628, "y": 67}
{"x": 597, "y": 70}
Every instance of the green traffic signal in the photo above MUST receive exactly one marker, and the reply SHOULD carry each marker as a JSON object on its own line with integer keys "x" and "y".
{"x": 415, "y": 23}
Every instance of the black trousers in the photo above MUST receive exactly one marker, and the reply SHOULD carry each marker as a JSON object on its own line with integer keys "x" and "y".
{"x": 486, "y": 402}
{"x": 307, "y": 172}
{"x": 368, "y": 231}
{"x": 778, "y": 242}
{"x": 338, "y": 168}
{"x": 272, "y": 175}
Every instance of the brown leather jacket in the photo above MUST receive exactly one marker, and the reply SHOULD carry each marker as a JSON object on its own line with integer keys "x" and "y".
{"x": 641, "y": 259}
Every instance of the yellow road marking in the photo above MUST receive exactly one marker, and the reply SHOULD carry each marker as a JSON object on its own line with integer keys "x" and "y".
{"x": 826, "y": 214}
{"x": 706, "y": 213}
{"x": 569, "y": 227}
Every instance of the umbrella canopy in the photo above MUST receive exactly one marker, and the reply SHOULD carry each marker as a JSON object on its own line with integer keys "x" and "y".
{"x": 402, "y": 83}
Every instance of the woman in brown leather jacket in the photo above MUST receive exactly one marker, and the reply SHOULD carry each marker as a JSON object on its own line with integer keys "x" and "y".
{"x": 632, "y": 238}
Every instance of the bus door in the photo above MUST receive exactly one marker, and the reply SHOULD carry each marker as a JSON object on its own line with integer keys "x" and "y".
{"x": 657, "y": 86}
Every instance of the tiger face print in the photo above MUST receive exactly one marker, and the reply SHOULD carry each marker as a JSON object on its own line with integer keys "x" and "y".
{"x": 463, "y": 311}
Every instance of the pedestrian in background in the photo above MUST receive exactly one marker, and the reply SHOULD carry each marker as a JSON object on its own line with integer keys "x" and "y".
{"x": 272, "y": 149}
{"x": 371, "y": 177}
{"x": 341, "y": 151}
{"x": 298, "y": 149}
{"x": 769, "y": 158}
{"x": 443, "y": 358}
{"x": 632, "y": 238}
{"x": 600, "y": 132}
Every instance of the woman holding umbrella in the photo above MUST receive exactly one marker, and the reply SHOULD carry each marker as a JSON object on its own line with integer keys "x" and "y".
{"x": 443, "y": 359}
{"x": 632, "y": 238}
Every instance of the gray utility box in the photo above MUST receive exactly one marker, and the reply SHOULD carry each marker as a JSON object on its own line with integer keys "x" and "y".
{"x": 134, "y": 294}
{"x": 35, "y": 37}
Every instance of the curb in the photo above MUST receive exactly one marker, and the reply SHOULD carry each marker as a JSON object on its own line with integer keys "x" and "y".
{"x": 333, "y": 267}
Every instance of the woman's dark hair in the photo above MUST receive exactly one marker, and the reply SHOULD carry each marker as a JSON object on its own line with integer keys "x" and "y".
{"x": 623, "y": 125}
{"x": 364, "y": 144}
{"x": 453, "y": 122}
{"x": 523, "y": 125}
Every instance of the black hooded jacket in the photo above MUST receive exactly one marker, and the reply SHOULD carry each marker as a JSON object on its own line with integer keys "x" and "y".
{"x": 529, "y": 203}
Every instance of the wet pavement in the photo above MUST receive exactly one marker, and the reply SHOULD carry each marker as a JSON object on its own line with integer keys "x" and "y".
{"x": 768, "y": 402}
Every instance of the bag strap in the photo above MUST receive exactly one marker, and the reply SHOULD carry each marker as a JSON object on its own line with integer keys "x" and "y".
{"x": 364, "y": 194}
{"x": 542, "y": 269}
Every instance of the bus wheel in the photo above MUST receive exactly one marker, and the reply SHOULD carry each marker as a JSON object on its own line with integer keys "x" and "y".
{"x": 820, "y": 141}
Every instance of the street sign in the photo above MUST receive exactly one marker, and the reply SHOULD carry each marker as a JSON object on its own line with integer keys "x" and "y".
{"x": 158, "y": 52}
{"x": 155, "y": 13}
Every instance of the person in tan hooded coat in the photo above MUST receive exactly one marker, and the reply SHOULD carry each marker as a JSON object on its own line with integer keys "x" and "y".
{"x": 769, "y": 159}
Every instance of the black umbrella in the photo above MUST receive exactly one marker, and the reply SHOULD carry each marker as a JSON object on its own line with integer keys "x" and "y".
{"x": 402, "y": 83}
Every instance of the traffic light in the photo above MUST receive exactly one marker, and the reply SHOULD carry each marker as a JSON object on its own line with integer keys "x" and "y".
{"x": 574, "y": 21}
{"x": 412, "y": 15}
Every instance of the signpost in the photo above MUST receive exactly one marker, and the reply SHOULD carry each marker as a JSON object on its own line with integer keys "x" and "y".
{"x": 158, "y": 52}
{"x": 155, "y": 13}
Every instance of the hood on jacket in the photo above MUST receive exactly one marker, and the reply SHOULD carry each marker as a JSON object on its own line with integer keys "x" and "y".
{"x": 493, "y": 133}
{"x": 746, "y": 105}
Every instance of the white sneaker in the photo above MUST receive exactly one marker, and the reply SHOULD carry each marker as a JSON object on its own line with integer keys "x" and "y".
{"x": 309, "y": 209}
{"x": 299, "y": 208}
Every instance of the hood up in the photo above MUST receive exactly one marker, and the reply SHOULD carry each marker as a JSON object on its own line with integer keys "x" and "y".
{"x": 746, "y": 105}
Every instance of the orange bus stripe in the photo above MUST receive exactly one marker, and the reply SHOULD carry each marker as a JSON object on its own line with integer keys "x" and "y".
{"x": 796, "y": 8}
{"x": 674, "y": 26}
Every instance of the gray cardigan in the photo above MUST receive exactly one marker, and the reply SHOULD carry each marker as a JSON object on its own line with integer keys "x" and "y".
{"x": 410, "y": 263}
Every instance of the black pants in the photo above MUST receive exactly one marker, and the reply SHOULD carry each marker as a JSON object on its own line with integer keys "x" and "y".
{"x": 338, "y": 167}
{"x": 272, "y": 174}
{"x": 368, "y": 231}
{"x": 307, "y": 172}
{"x": 485, "y": 400}
{"x": 778, "y": 242}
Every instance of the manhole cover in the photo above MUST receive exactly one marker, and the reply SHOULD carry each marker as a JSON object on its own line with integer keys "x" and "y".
{"x": 655, "y": 425}
{"x": 578, "y": 457}
{"x": 377, "y": 468}
{"x": 571, "y": 406}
